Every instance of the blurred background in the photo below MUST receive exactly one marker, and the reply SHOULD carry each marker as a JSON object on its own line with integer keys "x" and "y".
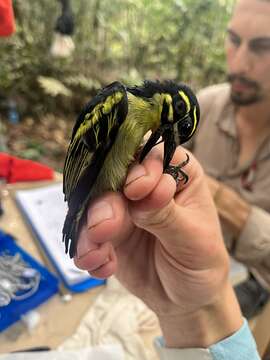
{"x": 126, "y": 40}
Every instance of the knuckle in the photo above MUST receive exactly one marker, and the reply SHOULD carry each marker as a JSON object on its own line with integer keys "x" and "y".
{"x": 159, "y": 219}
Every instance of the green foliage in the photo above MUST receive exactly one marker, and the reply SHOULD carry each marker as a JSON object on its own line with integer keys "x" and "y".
{"x": 127, "y": 40}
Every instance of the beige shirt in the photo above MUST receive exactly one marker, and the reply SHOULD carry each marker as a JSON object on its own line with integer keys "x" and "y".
{"x": 216, "y": 147}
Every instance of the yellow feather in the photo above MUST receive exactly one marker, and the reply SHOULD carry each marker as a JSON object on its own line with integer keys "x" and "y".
{"x": 195, "y": 120}
{"x": 186, "y": 100}
{"x": 92, "y": 118}
{"x": 140, "y": 119}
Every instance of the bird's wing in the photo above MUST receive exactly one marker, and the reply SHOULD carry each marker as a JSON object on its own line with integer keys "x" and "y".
{"x": 94, "y": 132}
{"x": 92, "y": 137}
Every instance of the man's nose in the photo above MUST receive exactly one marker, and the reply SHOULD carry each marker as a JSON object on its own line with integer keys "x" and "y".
{"x": 243, "y": 60}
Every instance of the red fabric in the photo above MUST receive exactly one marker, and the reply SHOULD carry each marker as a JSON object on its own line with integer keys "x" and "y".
{"x": 7, "y": 24}
{"x": 14, "y": 169}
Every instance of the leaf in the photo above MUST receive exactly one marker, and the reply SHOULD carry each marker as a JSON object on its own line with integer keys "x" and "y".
{"x": 53, "y": 87}
{"x": 83, "y": 82}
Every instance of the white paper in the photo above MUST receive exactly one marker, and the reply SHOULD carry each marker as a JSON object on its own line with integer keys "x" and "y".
{"x": 46, "y": 209}
{"x": 102, "y": 352}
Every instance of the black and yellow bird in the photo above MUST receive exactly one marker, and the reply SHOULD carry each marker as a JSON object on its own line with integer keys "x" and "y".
{"x": 108, "y": 134}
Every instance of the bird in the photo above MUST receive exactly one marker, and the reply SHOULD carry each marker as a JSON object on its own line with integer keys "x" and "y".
{"x": 108, "y": 135}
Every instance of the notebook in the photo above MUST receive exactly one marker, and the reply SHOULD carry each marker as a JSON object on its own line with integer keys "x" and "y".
{"x": 44, "y": 209}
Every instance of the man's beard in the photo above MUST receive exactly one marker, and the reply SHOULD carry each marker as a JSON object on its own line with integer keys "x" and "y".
{"x": 241, "y": 99}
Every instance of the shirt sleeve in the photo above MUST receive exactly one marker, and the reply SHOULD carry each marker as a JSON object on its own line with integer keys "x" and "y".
{"x": 241, "y": 346}
{"x": 252, "y": 247}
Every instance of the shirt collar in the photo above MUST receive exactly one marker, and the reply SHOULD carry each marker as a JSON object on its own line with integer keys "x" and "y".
{"x": 226, "y": 120}
{"x": 265, "y": 152}
{"x": 227, "y": 124}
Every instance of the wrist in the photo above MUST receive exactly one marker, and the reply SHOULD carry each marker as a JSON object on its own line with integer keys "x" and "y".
{"x": 205, "y": 326}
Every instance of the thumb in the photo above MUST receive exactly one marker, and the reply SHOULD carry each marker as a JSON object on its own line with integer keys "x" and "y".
{"x": 179, "y": 219}
{"x": 157, "y": 212}
{"x": 160, "y": 215}
{"x": 152, "y": 205}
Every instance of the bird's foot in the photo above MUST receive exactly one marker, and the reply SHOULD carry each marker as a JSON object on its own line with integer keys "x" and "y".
{"x": 177, "y": 173}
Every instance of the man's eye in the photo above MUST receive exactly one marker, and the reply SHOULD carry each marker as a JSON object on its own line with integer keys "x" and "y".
{"x": 260, "y": 46}
{"x": 234, "y": 40}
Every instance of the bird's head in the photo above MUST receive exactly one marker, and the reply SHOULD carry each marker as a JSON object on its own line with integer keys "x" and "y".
{"x": 179, "y": 115}
{"x": 180, "y": 111}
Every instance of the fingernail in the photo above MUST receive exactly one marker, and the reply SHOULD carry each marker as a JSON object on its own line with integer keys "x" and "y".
{"x": 98, "y": 213}
{"x": 136, "y": 172}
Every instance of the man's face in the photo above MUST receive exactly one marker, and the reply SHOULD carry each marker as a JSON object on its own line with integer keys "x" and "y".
{"x": 248, "y": 52}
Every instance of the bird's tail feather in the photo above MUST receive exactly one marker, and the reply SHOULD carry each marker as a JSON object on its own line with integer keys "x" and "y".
{"x": 70, "y": 231}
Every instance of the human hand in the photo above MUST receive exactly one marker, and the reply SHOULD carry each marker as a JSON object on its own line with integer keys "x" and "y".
{"x": 165, "y": 245}
{"x": 213, "y": 185}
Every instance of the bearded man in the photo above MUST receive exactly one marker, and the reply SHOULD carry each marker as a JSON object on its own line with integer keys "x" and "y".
{"x": 233, "y": 145}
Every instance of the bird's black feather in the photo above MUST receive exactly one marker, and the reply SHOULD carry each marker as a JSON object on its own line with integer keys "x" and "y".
{"x": 98, "y": 147}
{"x": 149, "y": 88}
{"x": 100, "y": 97}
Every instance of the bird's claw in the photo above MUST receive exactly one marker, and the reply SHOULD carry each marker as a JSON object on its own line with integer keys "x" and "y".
{"x": 177, "y": 173}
